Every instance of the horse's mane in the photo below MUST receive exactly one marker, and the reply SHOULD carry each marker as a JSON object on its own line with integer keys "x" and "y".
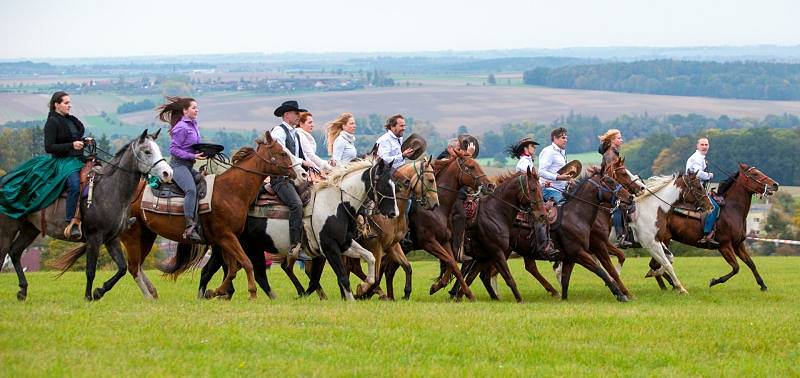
{"x": 656, "y": 183}
{"x": 242, "y": 154}
{"x": 337, "y": 175}
{"x": 503, "y": 177}
{"x": 109, "y": 169}
{"x": 724, "y": 186}
{"x": 440, "y": 164}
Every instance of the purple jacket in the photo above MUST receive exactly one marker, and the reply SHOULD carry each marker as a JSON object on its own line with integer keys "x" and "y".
{"x": 184, "y": 134}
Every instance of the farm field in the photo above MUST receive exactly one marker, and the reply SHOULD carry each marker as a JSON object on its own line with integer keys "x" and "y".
{"x": 729, "y": 330}
{"x": 447, "y": 106}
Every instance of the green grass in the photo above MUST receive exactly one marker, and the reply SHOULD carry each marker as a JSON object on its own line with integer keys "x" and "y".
{"x": 728, "y": 330}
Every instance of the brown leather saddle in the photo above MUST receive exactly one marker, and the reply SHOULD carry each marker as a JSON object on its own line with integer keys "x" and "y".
{"x": 171, "y": 190}
{"x": 269, "y": 205}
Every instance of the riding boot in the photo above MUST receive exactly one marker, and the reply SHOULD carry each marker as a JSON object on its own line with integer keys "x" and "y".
{"x": 622, "y": 242}
{"x": 191, "y": 233}
{"x": 709, "y": 240}
{"x": 73, "y": 229}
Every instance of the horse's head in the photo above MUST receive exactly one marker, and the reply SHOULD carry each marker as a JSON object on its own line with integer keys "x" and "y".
{"x": 531, "y": 192}
{"x": 148, "y": 157}
{"x": 471, "y": 174}
{"x": 279, "y": 162}
{"x": 419, "y": 178}
{"x": 380, "y": 188}
{"x": 620, "y": 174}
{"x": 692, "y": 191}
{"x": 756, "y": 181}
{"x": 614, "y": 193}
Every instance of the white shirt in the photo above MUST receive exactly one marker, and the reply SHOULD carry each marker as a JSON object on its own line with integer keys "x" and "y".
{"x": 279, "y": 135}
{"x": 309, "y": 145}
{"x": 697, "y": 163}
{"x": 344, "y": 149}
{"x": 551, "y": 159}
{"x": 524, "y": 162}
{"x": 390, "y": 150}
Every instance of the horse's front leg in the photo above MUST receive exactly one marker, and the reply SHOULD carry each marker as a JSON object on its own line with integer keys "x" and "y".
{"x": 357, "y": 251}
{"x": 115, "y": 250}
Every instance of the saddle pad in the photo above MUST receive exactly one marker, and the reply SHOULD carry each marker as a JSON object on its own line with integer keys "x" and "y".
{"x": 271, "y": 211}
{"x": 174, "y": 206}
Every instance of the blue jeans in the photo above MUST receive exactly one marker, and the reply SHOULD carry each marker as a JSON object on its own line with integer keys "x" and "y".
{"x": 711, "y": 218}
{"x": 73, "y": 194}
{"x": 556, "y": 195}
{"x": 616, "y": 220}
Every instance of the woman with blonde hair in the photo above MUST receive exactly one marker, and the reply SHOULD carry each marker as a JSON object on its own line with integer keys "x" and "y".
{"x": 342, "y": 139}
{"x": 610, "y": 142}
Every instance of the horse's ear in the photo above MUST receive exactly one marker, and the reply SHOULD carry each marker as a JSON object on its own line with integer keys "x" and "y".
{"x": 267, "y": 137}
{"x": 374, "y": 151}
{"x": 144, "y": 135}
{"x": 430, "y": 158}
{"x": 528, "y": 173}
{"x": 743, "y": 166}
{"x": 155, "y": 136}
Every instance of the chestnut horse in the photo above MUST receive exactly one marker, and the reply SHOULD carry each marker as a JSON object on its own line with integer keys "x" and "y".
{"x": 236, "y": 189}
{"x": 738, "y": 191}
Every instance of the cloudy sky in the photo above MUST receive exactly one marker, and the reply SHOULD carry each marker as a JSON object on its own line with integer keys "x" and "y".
{"x": 93, "y": 28}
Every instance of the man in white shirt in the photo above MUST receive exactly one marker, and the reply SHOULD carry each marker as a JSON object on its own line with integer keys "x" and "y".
{"x": 697, "y": 163}
{"x": 389, "y": 144}
{"x": 551, "y": 159}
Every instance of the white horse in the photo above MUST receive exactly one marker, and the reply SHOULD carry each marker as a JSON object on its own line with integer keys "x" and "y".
{"x": 662, "y": 195}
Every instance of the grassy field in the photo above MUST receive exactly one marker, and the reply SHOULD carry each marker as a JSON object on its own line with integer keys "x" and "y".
{"x": 729, "y": 330}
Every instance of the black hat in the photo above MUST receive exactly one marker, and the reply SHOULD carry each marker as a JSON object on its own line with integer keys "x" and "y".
{"x": 288, "y": 106}
{"x": 516, "y": 149}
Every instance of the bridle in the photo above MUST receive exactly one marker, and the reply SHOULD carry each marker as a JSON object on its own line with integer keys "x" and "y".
{"x": 750, "y": 178}
{"x": 134, "y": 146}
{"x": 697, "y": 195}
{"x": 416, "y": 181}
{"x": 269, "y": 159}
{"x": 464, "y": 170}
{"x": 602, "y": 188}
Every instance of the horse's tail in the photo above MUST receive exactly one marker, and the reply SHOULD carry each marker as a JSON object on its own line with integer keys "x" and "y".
{"x": 186, "y": 257}
{"x": 68, "y": 259}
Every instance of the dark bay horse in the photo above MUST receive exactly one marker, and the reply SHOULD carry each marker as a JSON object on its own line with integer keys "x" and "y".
{"x": 114, "y": 186}
{"x": 489, "y": 236}
{"x": 432, "y": 228}
{"x": 738, "y": 191}
{"x": 236, "y": 189}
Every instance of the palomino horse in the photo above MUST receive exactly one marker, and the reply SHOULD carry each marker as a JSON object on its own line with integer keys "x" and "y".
{"x": 102, "y": 222}
{"x": 489, "y": 240}
{"x": 738, "y": 191}
{"x": 237, "y": 188}
{"x": 661, "y": 199}
{"x": 432, "y": 227}
{"x": 255, "y": 241}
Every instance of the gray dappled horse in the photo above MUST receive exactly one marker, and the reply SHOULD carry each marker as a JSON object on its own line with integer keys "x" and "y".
{"x": 102, "y": 222}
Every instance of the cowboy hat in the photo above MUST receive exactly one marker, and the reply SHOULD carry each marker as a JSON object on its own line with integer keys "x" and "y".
{"x": 288, "y": 106}
{"x": 208, "y": 149}
{"x": 417, "y": 143}
{"x": 516, "y": 150}
{"x": 572, "y": 169}
{"x": 465, "y": 139}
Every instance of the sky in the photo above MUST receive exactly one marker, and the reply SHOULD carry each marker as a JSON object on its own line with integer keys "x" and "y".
{"x": 92, "y": 28}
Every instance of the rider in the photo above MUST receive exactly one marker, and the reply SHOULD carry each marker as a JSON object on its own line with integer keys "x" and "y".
{"x": 286, "y": 135}
{"x": 524, "y": 150}
{"x": 610, "y": 143}
{"x": 697, "y": 163}
{"x": 63, "y": 139}
{"x": 181, "y": 114}
{"x": 551, "y": 159}
{"x": 389, "y": 143}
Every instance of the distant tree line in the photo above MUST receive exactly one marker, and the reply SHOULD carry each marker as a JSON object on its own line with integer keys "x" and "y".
{"x": 744, "y": 80}
{"x": 133, "y": 106}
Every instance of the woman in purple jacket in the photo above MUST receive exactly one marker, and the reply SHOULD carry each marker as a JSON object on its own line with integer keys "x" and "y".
{"x": 181, "y": 114}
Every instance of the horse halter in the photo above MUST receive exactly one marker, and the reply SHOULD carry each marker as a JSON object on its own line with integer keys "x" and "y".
{"x": 139, "y": 159}
{"x": 750, "y": 178}
{"x": 463, "y": 169}
{"x": 418, "y": 180}
{"x": 271, "y": 161}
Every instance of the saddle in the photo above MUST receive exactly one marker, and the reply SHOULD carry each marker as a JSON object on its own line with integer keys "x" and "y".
{"x": 269, "y": 205}
{"x": 172, "y": 190}
{"x": 168, "y": 198}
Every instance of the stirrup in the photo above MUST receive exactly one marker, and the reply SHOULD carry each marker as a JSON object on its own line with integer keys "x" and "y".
{"x": 73, "y": 230}
{"x": 191, "y": 234}
{"x": 294, "y": 251}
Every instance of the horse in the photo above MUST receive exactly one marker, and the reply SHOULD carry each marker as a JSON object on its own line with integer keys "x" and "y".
{"x": 240, "y": 184}
{"x": 738, "y": 191}
{"x": 489, "y": 236}
{"x": 255, "y": 241}
{"x": 102, "y": 220}
{"x": 432, "y": 227}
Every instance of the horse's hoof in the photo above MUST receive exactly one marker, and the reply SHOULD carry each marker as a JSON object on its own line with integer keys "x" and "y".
{"x": 98, "y": 293}
{"x": 763, "y": 288}
{"x": 713, "y": 282}
{"x": 650, "y": 273}
{"x": 554, "y": 293}
{"x": 22, "y": 295}
{"x": 87, "y": 298}
{"x": 272, "y": 296}
{"x": 623, "y": 298}
{"x": 208, "y": 294}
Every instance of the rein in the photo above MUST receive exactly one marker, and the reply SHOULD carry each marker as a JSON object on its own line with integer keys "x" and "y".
{"x": 251, "y": 171}
{"x": 117, "y": 166}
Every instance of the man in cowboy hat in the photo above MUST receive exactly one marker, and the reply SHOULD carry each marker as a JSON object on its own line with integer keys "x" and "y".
{"x": 551, "y": 160}
{"x": 389, "y": 144}
{"x": 286, "y": 135}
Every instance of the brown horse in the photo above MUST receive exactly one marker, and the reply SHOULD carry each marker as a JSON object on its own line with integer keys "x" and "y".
{"x": 432, "y": 227}
{"x": 236, "y": 189}
{"x": 738, "y": 191}
{"x": 489, "y": 235}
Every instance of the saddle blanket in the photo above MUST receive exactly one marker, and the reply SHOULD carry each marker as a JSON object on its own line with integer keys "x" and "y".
{"x": 269, "y": 206}
{"x": 174, "y": 206}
